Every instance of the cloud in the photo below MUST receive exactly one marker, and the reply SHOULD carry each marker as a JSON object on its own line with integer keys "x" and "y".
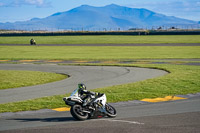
{"x": 35, "y": 2}
{"x": 18, "y": 3}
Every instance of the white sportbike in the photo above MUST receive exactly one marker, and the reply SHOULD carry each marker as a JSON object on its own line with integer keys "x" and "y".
{"x": 98, "y": 108}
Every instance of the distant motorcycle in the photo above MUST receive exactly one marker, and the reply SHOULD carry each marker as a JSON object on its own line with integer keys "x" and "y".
{"x": 98, "y": 108}
{"x": 32, "y": 42}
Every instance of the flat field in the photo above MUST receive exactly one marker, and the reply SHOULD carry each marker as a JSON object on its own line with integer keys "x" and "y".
{"x": 102, "y": 39}
{"x": 97, "y": 53}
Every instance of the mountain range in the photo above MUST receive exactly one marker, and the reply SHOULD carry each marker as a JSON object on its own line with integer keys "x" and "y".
{"x": 110, "y": 17}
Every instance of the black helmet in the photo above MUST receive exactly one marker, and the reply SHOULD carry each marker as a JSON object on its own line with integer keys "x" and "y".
{"x": 81, "y": 86}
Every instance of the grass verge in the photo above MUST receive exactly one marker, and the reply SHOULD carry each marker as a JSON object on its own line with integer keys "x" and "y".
{"x": 11, "y": 78}
{"x": 102, "y": 39}
{"x": 97, "y": 53}
{"x": 182, "y": 79}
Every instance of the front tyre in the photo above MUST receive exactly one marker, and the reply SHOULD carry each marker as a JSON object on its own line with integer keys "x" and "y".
{"x": 111, "y": 111}
{"x": 77, "y": 112}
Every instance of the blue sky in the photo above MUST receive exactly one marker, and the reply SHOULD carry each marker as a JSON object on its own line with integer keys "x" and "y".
{"x": 21, "y": 10}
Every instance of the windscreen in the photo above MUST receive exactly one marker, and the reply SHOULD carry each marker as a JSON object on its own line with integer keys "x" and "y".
{"x": 75, "y": 92}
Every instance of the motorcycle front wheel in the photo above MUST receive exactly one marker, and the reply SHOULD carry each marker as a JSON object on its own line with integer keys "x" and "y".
{"x": 77, "y": 112}
{"x": 111, "y": 111}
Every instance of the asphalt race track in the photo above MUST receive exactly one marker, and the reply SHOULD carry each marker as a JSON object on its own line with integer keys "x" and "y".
{"x": 135, "y": 44}
{"x": 92, "y": 76}
{"x": 167, "y": 117}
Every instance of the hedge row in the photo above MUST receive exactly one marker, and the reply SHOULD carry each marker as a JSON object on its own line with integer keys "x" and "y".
{"x": 77, "y": 33}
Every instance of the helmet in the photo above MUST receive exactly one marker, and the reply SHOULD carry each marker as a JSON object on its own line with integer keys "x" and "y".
{"x": 81, "y": 86}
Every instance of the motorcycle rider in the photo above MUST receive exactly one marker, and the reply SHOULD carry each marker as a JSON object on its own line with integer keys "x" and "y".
{"x": 32, "y": 42}
{"x": 87, "y": 96}
{"x": 88, "y": 105}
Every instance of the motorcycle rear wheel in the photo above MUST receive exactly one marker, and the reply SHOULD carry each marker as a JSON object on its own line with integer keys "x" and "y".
{"x": 111, "y": 111}
{"x": 77, "y": 112}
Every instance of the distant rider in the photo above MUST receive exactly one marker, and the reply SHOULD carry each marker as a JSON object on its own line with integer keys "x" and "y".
{"x": 32, "y": 42}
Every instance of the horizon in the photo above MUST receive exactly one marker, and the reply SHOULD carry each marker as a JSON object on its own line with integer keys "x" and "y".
{"x": 24, "y": 10}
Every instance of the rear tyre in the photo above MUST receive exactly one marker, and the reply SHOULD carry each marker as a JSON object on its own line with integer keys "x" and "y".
{"x": 77, "y": 112}
{"x": 111, "y": 111}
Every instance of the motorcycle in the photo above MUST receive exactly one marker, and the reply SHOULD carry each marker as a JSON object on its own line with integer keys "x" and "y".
{"x": 97, "y": 109}
{"x": 32, "y": 42}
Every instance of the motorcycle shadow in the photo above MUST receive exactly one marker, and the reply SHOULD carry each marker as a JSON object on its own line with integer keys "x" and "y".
{"x": 54, "y": 119}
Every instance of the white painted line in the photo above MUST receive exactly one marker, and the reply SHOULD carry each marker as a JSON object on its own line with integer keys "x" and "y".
{"x": 124, "y": 121}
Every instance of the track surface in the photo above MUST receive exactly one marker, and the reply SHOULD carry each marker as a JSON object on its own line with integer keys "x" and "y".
{"x": 179, "y": 116}
{"x": 169, "y": 117}
{"x": 146, "y": 44}
{"x": 92, "y": 76}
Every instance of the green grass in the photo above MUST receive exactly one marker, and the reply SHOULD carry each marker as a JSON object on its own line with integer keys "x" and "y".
{"x": 14, "y": 79}
{"x": 181, "y": 80}
{"x": 97, "y": 53}
{"x": 103, "y": 39}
